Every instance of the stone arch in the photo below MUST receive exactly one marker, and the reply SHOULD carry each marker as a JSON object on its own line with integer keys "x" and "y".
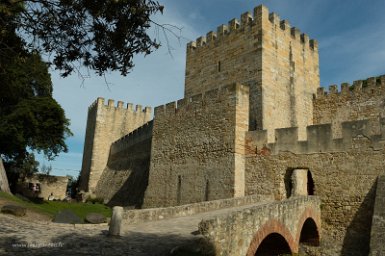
{"x": 272, "y": 227}
{"x": 309, "y": 226}
{"x": 273, "y": 244}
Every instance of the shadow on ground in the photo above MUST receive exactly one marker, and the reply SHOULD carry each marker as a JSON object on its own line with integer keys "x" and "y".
{"x": 135, "y": 243}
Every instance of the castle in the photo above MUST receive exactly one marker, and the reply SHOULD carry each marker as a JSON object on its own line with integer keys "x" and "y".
{"x": 252, "y": 113}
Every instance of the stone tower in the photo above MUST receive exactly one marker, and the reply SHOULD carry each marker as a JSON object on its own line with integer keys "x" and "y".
{"x": 106, "y": 124}
{"x": 280, "y": 65}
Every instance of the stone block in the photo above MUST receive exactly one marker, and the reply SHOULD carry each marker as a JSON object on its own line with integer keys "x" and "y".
{"x": 16, "y": 210}
{"x": 95, "y": 218}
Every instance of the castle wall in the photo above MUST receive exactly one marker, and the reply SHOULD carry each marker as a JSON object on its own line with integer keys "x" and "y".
{"x": 105, "y": 124}
{"x": 197, "y": 149}
{"x": 290, "y": 76}
{"x": 344, "y": 172}
{"x": 278, "y": 63}
{"x": 125, "y": 178}
{"x": 377, "y": 246}
{"x": 363, "y": 100}
{"x": 354, "y": 135}
{"x": 4, "y": 186}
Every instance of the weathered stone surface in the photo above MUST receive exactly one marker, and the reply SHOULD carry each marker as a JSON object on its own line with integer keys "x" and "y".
{"x": 221, "y": 141}
{"x": 363, "y": 100}
{"x": 14, "y": 210}
{"x": 4, "y": 186}
{"x": 125, "y": 178}
{"x": 50, "y": 187}
{"x": 193, "y": 160}
{"x": 95, "y": 218}
{"x": 68, "y": 217}
{"x": 154, "y": 214}
{"x": 281, "y": 68}
{"x": 106, "y": 124}
{"x": 377, "y": 234}
{"x": 116, "y": 221}
{"x": 345, "y": 182}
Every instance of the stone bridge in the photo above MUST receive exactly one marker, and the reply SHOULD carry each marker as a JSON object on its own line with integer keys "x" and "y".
{"x": 251, "y": 225}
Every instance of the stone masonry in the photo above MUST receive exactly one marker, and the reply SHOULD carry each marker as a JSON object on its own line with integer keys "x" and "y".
{"x": 4, "y": 186}
{"x": 207, "y": 157}
{"x": 278, "y": 63}
{"x": 253, "y": 121}
{"x": 106, "y": 124}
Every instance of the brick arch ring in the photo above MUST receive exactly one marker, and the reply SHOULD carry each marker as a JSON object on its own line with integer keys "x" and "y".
{"x": 272, "y": 226}
{"x": 309, "y": 213}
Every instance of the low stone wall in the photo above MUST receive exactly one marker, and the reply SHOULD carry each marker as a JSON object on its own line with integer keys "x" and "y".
{"x": 153, "y": 214}
{"x": 377, "y": 239}
{"x": 50, "y": 186}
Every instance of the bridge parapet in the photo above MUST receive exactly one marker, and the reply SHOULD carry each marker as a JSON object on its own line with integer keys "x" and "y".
{"x": 241, "y": 232}
{"x": 129, "y": 216}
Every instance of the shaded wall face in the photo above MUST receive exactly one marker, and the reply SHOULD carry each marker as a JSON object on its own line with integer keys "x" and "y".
{"x": 125, "y": 178}
{"x": 345, "y": 182}
{"x": 194, "y": 146}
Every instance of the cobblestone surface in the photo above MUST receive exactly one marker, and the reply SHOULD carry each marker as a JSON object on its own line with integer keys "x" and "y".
{"x": 21, "y": 237}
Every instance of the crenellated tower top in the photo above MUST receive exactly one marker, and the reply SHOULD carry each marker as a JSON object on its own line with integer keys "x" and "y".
{"x": 278, "y": 62}
{"x": 243, "y": 24}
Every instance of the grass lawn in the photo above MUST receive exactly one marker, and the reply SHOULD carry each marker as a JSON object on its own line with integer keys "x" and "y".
{"x": 51, "y": 208}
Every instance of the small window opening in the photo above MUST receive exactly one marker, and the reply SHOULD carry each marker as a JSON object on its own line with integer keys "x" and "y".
{"x": 179, "y": 190}
{"x": 310, "y": 184}
{"x": 219, "y": 66}
{"x": 207, "y": 190}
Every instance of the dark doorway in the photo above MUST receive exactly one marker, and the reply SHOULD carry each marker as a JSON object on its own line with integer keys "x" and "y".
{"x": 287, "y": 181}
{"x": 309, "y": 233}
{"x": 273, "y": 245}
{"x": 310, "y": 184}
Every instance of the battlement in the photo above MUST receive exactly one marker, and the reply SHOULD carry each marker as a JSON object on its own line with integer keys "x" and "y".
{"x": 120, "y": 105}
{"x": 206, "y": 98}
{"x": 370, "y": 87}
{"x": 260, "y": 13}
{"x": 356, "y": 135}
{"x": 142, "y": 133}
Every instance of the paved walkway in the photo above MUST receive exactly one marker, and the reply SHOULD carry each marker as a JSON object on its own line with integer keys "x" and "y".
{"x": 20, "y": 237}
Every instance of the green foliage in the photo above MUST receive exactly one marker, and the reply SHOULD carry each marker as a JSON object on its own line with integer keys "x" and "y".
{"x": 51, "y": 208}
{"x": 99, "y": 34}
{"x": 30, "y": 119}
{"x": 46, "y": 170}
{"x": 18, "y": 169}
{"x": 73, "y": 185}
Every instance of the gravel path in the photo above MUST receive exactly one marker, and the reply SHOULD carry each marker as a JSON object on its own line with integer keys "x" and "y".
{"x": 23, "y": 237}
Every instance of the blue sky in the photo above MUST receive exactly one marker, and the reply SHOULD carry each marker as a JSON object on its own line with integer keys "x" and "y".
{"x": 351, "y": 37}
